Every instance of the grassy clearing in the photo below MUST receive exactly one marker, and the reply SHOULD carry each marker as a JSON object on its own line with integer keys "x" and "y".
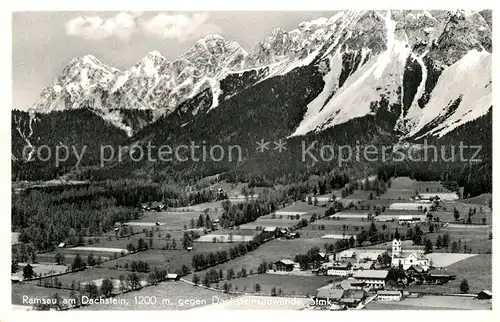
{"x": 170, "y": 219}
{"x": 271, "y": 251}
{"x": 447, "y": 259}
{"x": 432, "y": 302}
{"x": 476, "y": 238}
{"x": 280, "y": 223}
{"x": 14, "y": 238}
{"x": 477, "y": 270}
{"x": 169, "y": 296}
{"x": 34, "y": 292}
{"x": 171, "y": 260}
{"x": 87, "y": 275}
{"x": 42, "y": 269}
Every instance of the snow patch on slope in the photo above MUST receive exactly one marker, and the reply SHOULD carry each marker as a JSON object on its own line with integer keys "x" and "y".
{"x": 380, "y": 76}
{"x": 469, "y": 78}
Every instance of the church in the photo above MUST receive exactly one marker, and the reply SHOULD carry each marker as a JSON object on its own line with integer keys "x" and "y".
{"x": 400, "y": 259}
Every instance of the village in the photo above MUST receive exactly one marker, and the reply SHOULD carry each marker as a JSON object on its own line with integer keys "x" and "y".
{"x": 411, "y": 246}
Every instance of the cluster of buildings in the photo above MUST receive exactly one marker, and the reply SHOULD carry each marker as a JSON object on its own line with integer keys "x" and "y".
{"x": 153, "y": 206}
{"x": 281, "y": 232}
{"x": 363, "y": 272}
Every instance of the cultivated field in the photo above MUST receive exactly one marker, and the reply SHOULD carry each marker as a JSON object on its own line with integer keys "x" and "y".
{"x": 168, "y": 295}
{"x": 289, "y": 284}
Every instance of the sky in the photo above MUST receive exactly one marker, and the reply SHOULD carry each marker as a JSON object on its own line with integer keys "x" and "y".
{"x": 44, "y": 42}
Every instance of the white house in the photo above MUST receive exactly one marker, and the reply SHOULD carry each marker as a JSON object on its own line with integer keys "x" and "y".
{"x": 347, "y": 254}
{"x": 372, "y": 278}
{"x": 384, "y": 295}
{"x": 338, "y": 269}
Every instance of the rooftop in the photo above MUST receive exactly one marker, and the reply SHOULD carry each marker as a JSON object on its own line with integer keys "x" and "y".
{"x": 386, "y": 292}
{"x": 331, "y": 293}
{"x": 286, "y": 262}
{"x": 371, "y": 273}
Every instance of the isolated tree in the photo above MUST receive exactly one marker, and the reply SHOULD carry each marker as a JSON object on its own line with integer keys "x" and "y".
{"x": 454, "y": 247}
{"x": 59, "y": 258}
{"x": 446, "y": 240}
{"x": 456, "y": 214}
{"x": 77, "y": 263}
{"x": 28, "y": 272}
{"x": 439, "y": 241}
{"x": 91, "y": 290}
{"x": 196, "y": 279}
{"x": 186, "y": 240}
{"x": 141, "y": 244}
{"x": 257, "y": 288}
{"x": 273, "y": 291}
{"x": 90, "y": 260}
{"x": 428, "y": 245}
{"x": 352, "y": 241}
{"x": 107, "y": 287}
{"x": 134, "y": 281}
{"x": 464, "y": 286}
{"x": 226, "y": 287}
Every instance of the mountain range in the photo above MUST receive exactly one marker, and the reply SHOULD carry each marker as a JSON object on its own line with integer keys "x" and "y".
{"x": 402, "y": 75}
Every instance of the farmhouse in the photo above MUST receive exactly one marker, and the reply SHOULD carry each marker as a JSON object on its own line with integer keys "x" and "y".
{"x": 363, "y": 265}
{"x": 351, "y": 284}
{"x": 153, "y": 206}
{"x": 484, "y": 295}
{"x": 172, "y": 277}
{"x": 332, "y": 294}
{"x": 416, "y": 270}
{"x": 15, "y": 279}
{"x": 352, "y": 298}
{"x": 439, "y": 278}
{"x": 384, "y": 295}
{"x": 373, "y": 278}
{"x": 284, "y": 265}
{"x": 347, "y": 254}
{"x": 403, "y": 219}
{"x": 370, "y": 256}
{"x": 338, "y": 269}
